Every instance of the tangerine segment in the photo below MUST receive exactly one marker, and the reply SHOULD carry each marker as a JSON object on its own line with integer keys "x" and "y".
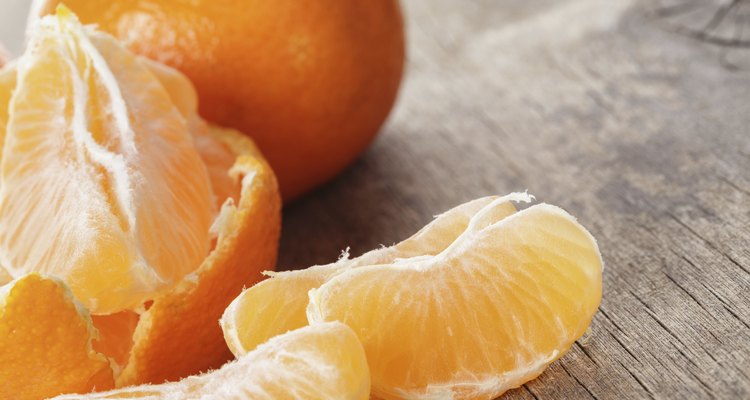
{"x": 101, "y": 182}
{"x": 178, "y": 335}
{"x": 216, "y": 156}
{"x": 324, "y": 361}
{"x": 487, "y": 314}
{"x": 45, "y": 342}
{"x": 278, "y": 304}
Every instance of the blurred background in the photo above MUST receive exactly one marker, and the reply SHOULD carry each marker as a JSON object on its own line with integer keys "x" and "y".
{"x": 12, "y": 23}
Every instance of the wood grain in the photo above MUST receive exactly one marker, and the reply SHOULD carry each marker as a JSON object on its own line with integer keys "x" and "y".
{"x": 618, "y": 112}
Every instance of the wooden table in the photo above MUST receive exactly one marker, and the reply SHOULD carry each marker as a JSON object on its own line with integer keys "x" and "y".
{"x": 634, "y": 116}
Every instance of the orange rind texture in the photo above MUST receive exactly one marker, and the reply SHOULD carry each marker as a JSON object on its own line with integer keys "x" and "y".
{"x": 45, "y": 342}
{"x": 320, "y": 362}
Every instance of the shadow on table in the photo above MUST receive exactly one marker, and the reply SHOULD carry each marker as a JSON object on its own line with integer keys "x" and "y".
{"x": 358, "y": 209}
{"x": 362, "y": 208}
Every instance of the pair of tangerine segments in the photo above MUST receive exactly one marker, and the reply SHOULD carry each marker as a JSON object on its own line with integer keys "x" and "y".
{"x": 479, "y": 301}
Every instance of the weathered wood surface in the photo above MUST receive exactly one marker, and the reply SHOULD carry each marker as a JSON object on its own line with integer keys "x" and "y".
{"x": 632, "y": 116}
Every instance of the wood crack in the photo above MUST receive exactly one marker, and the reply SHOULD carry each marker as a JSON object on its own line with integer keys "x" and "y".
{"x": 708, "y": 242}
{"x": 726, "y": 306}
{"x": 583, "y": 349}
{"x": 627, "y": 350}
{"x": 525, "y": 386}
{"x": 695, "y": 299}
{"x": 684, "y": 290}
{"x": 604, "y": 313}
{"x": 704, "y": 33}
{"x": 579, "y": 382}
{"x": 720, "y": 14}
{"x": 653, "y": 316}
{"x": 705, "y": 386}
{"x": 734, "y": 185}
{"x": 638, "y": 380}
{"x": 723, "y": 302}
{"x": 673, "y": 9}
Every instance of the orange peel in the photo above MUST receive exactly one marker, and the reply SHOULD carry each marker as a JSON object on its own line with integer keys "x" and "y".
{"x": 45, "y": 342}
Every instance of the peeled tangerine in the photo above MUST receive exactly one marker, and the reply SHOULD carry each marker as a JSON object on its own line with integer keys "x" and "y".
{"x": 478, "y": 302}
{"x": 110, "y": 182}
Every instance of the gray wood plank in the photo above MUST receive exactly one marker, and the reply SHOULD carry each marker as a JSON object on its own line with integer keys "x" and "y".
{"x": 617, "y": 111}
